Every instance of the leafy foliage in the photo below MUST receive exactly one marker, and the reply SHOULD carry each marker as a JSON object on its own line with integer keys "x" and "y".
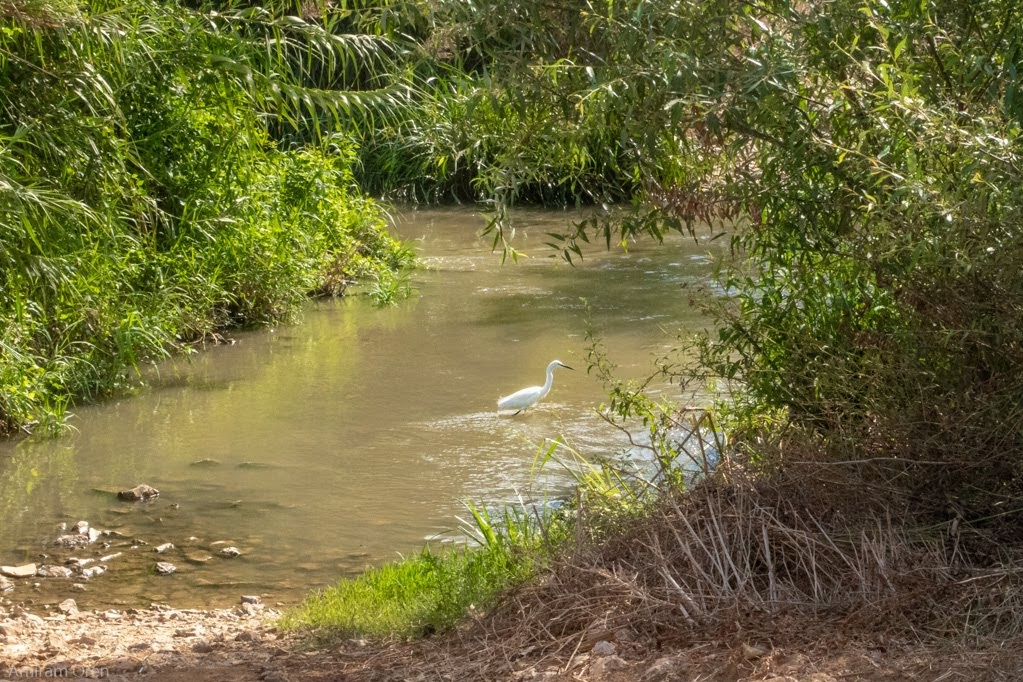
{"x": 866, "y": 157}
{"x": 144, "y": 204}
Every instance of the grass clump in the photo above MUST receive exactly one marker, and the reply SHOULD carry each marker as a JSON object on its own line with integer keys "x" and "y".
{"x": 416, "y": 596}
{"x": 430, "y": 591}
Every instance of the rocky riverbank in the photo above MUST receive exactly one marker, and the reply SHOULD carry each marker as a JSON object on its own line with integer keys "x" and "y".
{"x": 83, "y": 561}
{"x": 62, "y": 641}
{"x": 582, "y": 621}
{"x": 242, "y": 644}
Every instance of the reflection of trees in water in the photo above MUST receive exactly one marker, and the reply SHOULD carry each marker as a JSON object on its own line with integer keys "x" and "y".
{"x": 35, "y": 481}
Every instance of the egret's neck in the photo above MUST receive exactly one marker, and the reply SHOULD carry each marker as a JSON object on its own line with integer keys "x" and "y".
{"x": 550, "y": 379}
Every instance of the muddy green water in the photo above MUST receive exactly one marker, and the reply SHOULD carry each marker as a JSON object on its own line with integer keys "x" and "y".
{"x": 354, "y": 435}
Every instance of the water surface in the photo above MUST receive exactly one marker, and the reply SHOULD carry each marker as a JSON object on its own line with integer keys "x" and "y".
{"x": 355, "y": 434}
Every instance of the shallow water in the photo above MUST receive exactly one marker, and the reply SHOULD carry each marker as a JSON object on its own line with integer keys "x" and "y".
{"x": 357, "y": 433}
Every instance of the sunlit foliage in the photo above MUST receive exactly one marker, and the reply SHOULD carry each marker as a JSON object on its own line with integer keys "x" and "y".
{"x": 148, "y": 196}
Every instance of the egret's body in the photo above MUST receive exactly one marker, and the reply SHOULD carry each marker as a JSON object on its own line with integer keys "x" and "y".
{"x": 527, "y": 397}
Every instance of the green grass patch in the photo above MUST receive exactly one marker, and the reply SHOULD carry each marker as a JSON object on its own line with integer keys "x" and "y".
{"x": 416, "y": 596}
{"x": 431, "y": 591}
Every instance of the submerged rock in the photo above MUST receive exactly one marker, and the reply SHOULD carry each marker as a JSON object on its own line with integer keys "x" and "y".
{"x": 206, "y": 462}
{"x": 5, "y": 585}
{"x": 160, "y": 549}
{"x": 198, "y": 557}
{"x": 230, "y": 552}
{"x": 72, "y": 540}
{"x": 140, "y": 493}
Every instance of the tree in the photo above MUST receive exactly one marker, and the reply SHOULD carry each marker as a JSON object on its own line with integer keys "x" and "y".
{"x": 869, "y": 157}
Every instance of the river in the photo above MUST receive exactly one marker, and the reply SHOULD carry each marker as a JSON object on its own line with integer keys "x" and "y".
{"x": 355, "y": 434}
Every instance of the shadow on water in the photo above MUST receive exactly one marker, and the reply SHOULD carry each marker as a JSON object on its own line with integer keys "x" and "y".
{"x": 317, "y": 449}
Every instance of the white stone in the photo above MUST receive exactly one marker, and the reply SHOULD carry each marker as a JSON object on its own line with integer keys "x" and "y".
{"x": 23, "y": 571}
{"x": 165, "y": 567}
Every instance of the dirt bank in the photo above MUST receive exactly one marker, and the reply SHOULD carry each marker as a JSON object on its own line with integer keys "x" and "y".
{"x": 163, "y": 644}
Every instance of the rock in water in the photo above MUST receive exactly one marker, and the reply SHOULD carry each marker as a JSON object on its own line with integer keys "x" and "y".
{"x": 5, "y": 585}
{"x": 230, "y": 552}
{"x": 93, "y": 571}
{"x": 72, "y": 540}
{"x": 206, "y": 462}
{"x": 165, "y": 567}
{"x": 23, "y": 571}
{"x": 140, "y": 493}
{"x": 68, "y": 607}
{"x": 78, "y": 539}
{"x": 160, "y": 549}
{"x": 54, "y": 572}
{"x": 198, "y": 557}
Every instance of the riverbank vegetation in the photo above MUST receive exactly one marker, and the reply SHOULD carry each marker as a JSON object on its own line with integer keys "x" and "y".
{"x": 432, "y": 591}
{"x": 865, "y": 159}
{"x": 153, "y": 192}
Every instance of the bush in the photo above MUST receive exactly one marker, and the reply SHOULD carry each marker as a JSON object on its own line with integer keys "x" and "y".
{"x": 144, "y": 205}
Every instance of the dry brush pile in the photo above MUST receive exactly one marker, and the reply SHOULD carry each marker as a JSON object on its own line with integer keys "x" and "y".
{"x": 784, "y": 556}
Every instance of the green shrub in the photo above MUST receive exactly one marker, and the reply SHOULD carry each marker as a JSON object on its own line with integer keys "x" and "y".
{"x": 144, "y": 204}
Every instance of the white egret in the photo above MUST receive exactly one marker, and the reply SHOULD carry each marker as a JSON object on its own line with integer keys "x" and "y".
{"x": 527, "y": 397}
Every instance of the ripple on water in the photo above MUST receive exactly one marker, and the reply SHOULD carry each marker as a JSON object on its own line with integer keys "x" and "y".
{"x": 452, "y": 263}
{"x": 516, "y": 289}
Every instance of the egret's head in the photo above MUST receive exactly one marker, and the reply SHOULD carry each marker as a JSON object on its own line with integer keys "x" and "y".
{"x": 558, "y": 363}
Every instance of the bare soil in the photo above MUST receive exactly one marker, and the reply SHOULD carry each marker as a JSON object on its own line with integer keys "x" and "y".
{"x": 163, "y": 644}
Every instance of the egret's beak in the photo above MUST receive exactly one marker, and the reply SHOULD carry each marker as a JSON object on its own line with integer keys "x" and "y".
{"x": 567, "y": 367}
